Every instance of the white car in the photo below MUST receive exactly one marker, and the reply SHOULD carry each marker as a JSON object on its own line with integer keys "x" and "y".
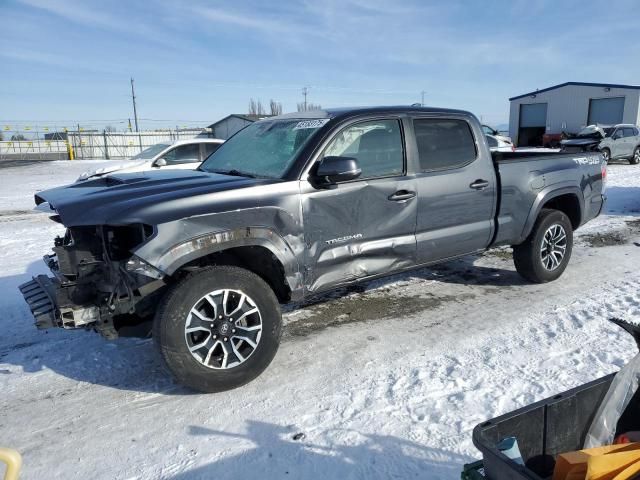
{"x": 499, "y": 144}
{"x": 495, "y": 133}
{"x": 181, "y": 155}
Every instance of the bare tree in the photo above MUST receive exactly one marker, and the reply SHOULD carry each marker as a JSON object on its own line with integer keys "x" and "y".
{"x": 302, "y": 107}
{"x": 1, "y": 137}
{"x": 109, "y": 128}
{"x": 275, "y": 107}
{"x": 18, "y": 137}
{"x": 255, "y": 107}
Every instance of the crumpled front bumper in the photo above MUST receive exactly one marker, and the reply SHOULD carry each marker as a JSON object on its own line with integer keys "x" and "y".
{"x": 40, "y": 294}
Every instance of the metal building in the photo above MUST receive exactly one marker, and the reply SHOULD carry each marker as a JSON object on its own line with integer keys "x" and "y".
{"x": 569, "y": 107}
{"x": 230, "y": 124}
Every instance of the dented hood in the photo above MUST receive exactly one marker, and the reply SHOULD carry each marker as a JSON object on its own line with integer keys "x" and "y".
{"x": 143, "y": 197}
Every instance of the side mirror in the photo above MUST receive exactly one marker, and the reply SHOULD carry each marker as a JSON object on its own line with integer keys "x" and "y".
{"x": 336, "y": 169}
{"x": 161, "y": 162}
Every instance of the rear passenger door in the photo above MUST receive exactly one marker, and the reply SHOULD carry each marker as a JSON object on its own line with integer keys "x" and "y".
{"x": 456, "y": 185}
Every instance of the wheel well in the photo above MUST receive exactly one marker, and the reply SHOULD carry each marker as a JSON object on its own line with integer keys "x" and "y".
{"x": 569, "y": 205}
{"x": 256, "y": 259}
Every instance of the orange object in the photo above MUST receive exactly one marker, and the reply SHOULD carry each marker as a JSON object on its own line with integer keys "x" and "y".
{"x": 628, "y": 472}
{"x": 596, "y": 463}
{"x": 609, "y": 466}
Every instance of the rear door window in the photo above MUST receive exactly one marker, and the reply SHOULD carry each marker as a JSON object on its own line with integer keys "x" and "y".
{"x": 444, "y": 143}
{"x": 208, "y": 149}
{"x": 629, "y": 132}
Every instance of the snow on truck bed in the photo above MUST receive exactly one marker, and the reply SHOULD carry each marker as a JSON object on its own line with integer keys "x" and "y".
{"x": 383, "y": 382}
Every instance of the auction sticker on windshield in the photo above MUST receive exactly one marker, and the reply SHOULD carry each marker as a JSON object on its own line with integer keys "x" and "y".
{"x": 311, "y": 123}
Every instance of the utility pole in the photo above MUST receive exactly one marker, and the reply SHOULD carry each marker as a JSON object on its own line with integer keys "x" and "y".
{"x": 305, "y": 92}
{"x": 135, "y": 113}
{"x": 422, "y": 93}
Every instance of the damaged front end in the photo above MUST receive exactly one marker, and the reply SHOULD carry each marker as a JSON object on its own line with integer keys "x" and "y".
{"x": 98, "y": 282}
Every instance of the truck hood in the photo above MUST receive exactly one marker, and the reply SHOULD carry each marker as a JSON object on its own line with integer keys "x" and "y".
{"x": 143, "y": 197}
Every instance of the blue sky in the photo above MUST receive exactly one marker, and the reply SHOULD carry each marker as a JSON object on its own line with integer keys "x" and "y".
{"x": 197, "y": 61}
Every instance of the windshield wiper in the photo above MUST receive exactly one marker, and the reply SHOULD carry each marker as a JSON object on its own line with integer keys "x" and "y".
{"x": 233, "y": 172}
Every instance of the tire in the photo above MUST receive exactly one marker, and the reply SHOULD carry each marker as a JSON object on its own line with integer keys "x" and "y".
{"x": 539, "y": 266}
{"x": 635, "y": 160}
{"x": 606, "y": 153}
{"x": 197, "y": 354}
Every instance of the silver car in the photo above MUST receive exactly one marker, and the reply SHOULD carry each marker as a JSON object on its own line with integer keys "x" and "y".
{"x": 622, "y": 143}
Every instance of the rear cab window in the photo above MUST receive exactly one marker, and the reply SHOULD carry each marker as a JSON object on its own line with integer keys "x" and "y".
{"x": 444, "y": 143}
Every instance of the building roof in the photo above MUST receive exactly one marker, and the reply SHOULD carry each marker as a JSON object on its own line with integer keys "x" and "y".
{"x": 242, "y": 116}
{"x": 580, "y": 84}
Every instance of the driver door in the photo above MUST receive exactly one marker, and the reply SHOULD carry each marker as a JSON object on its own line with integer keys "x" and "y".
{"x": 617, "y": 143}
{"x": 363, "y": 227}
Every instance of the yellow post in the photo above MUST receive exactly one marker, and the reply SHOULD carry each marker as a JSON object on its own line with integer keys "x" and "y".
{"x": 14, "y": 463}
{"x": 70, "y": 150}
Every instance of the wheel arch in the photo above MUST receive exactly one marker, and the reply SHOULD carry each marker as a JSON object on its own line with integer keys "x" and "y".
{"x": 258, "y": 249}
{"x": 568, "y": 200}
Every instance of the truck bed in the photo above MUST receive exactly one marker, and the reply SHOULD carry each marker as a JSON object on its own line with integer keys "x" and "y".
{"x": 528, "y": 180}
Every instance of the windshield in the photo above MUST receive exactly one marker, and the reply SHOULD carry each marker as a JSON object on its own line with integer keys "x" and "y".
{"x": 151, "y": 152}
{"x": 264, "y": 149}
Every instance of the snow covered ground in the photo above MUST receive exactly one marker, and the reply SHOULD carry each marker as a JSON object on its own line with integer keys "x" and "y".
{"x": 384, "y": 382}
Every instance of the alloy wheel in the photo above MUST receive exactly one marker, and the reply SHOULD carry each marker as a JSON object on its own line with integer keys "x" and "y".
{"x": 223, "y": 329}
{"x": 554, "y": 247}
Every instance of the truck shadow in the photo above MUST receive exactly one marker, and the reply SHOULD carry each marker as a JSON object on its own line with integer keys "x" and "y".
{"x": 132, "y": 363}
{"x": 273, "y": 452}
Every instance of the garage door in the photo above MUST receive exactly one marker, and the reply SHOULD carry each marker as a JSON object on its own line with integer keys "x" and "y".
{"x": 533, "y": 124}
{"x": 533, "y": 115}
{"x": 607, "y": 111}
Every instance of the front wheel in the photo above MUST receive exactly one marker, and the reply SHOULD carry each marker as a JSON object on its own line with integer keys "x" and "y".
{"x": 546, "y": 252}
{"x": 218, "y": 328}
{"x": 635, "y": 160}
{"x": 606, "y": 153}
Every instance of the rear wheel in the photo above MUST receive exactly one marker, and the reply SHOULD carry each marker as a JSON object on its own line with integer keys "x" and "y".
{"x": 635, "y": 160}
{"x": 218, "y": 328}
{"x": 606, "y": 153}
{"x": 546, "y": 252}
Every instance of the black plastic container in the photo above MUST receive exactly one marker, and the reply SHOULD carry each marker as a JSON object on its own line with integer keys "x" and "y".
{"x": 556, "y": 425}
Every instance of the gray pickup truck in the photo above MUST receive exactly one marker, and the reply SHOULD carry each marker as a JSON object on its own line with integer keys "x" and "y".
{"x": 289, "y": 207}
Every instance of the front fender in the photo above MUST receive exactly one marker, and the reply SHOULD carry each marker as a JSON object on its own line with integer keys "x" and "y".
{"x": 175, "y": 244}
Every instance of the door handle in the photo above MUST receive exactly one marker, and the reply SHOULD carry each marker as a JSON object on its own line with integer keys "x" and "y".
{"x": 479, "y": 184}
{"x": 402, "y": 196}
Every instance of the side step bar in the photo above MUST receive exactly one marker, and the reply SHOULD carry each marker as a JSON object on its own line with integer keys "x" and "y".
{"x": 39, "y": 294}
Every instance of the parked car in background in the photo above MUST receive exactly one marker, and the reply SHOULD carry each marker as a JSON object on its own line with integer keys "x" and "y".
{"x": 498, "y": 144}
{"x": 587, "y": 139}
{"x": 289, "y": 207}
{"x": 495, "y": 133}
{"x": 623, "y": 143}
{"x": 180, "y": 155}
